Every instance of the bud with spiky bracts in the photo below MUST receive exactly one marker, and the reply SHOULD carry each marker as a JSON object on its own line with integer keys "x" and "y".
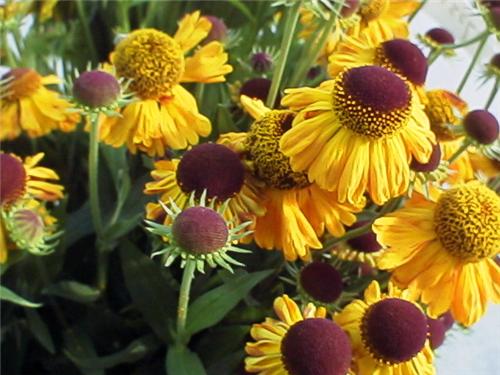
{"x": 199, "y": 234}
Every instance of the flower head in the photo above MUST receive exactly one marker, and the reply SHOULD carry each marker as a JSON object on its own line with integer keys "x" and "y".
{"x": 218, "y": 31}
{"x": 27, "y": 105}
{"x": 297, "y": 211}
{"x": 300, "y": 343}
{"x": 388, "y": 332}
{"x": 166, "y": 114}
{"x": 443, "y": 251}
{"x": 347, "y": 129}
{"x": 199, "y": 234}
{"x": 320, "y": 283}
{"x": 13, "y": 179}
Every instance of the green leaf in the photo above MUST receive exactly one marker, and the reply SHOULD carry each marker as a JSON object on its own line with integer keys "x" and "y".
{"x": 240, "y": 5}
{"x": 74, "y": 291}
{"x": 8, "y": 295}
{"x": 148, "y": 288}
{"x": 181, "y": 361}
{"x": 78, "y": 344}
{"x": 135, "y": 351}
{"x": 225, "y": 123}
{"x": 78, "y": 225}
{"x": 212, "y": 307}
{"x": 40, "y": 330}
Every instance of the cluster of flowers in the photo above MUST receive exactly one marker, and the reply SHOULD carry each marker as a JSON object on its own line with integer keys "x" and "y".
{"x": 357, "y": 143}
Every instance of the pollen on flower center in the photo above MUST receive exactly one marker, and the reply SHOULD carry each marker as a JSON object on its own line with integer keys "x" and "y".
{"x": 394, "y": 330}
{"x": 467, "y": 221}
{"x": 372, "y": 9}
{"x": 211, "y": 167}
{"x": 316, "y": 346}
{"x": 13, "y": 179}
{"x": 153, "y": 61}
{"x": 269, "y": 163}
{"x": 25, "y": 82}
{"x": 372, "y": 101}
{"x": 200, "y": 230}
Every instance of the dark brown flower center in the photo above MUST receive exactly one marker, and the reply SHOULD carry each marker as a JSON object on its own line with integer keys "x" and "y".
{"x": 321, "y": 281}
{"x": 440, "y": 36}
{"x": 367, "y": 242}
{"x": 481, "y": 126}
{"x": 394, "y": 330}
{"x": 12, "y": 177}
{"x": 200, "y": 230}
{"x": 211, "y": 167}
{"x": 372, "y": 101}
{"x": 404, "y": 58}
{"x": 96, "y": 89}
{"x": 316, "y": 346}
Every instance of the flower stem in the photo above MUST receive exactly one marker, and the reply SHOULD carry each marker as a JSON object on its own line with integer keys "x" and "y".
{"x": 493, "y": 93}
{"x": 86, "y": 30}
{"x": 467, "y": 142}
{"x": 422, "y": 3}
{"x": 286, "y": 42}
{"x": 11, "y": 62}
{"x": 182, "y": 308}
{"x": 484, "y": 39}
{"x": 95, "y": 207}
{"x": 313, "y": 53}
{"x": 433, "y": 55}
{"x": 466, "y": 43}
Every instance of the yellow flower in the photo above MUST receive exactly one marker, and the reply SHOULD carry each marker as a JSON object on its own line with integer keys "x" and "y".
{"x": 27, "y": 105}
{"x": 166, "y": 114}
{"x": 215, "y": 168}
{"x": 445, "y": 111}
{"x": 444, "y": 251}
{"x": 304, "y": 343}
{"x": 358, "y": 133}
{"x": 388, "y": 333}
{"x": 384, "y": 17}
{"x": 297, "y": 211}
{"x": 26, "y": 178}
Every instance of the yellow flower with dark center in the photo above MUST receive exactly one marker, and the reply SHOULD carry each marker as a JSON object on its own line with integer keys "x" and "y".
{"x": 358, "y": 133}
{"x": 166, "y": 115}
{"x": 214, "y": 168}
{"x": 444, "y": 251}
{"x": 299, "y": 343}
{"x": 384, "y": 17}
{"x": 445, "y": 111}
{"x": 26, "y": 105}
{"x": 20, "y": 178}
{"x": 388, "y": 333}
{"x": 297, "y": 211}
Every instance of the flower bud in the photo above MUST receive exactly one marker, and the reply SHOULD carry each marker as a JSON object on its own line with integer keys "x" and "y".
{"x": 440, "y": 36}
{"x": 481, "y": 126}
{"x": 96, "y": 89}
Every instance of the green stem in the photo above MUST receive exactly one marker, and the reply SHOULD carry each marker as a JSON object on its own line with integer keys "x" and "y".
{"x": 286, "y": 42}
{"x": 95, "y": 207}
{"x": 150, "y": 14}
{"x": 433, "y": 55}
{"x": 473, "y": 62}
{"x": 466, "y": 43}
{"x": 198, "y": 93}
{"x": 417, "y": 10}
{"x": 11, "y": 62}
{"x": 467, "y": 142}
{"x": 123, "y": 7}
{"x": 86, "y": 30}
{"x": 493, "y": 93}
{"x": 182, "y": 308}
{"x": 314, "y": 52}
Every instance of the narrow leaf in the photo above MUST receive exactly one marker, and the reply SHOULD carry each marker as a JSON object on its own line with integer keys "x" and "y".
{"x": 8, "y": 295}
{"x": 40, "y": 330}
{"x": 181, "y": 361}
{"x": 148, "y": 288}
{"x": 212, "y": 307}
{"x": 74, "y": 291}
